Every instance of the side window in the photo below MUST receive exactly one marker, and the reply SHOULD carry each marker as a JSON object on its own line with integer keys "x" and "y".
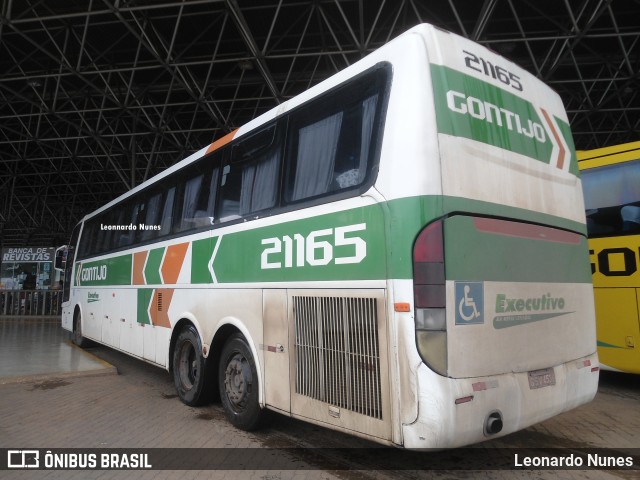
{"x": 99, "y": 237}
{"x": 85, "y": 247}
{"x": 71, "y": 258}
{"x": 316, "y": 149}
{"x": 332, "y": 140}
{"x": 102, "y": 238}
{"x": 198, "y": 196}
{"x": 127, "y": 214}
{"x": 116, "y": 238}
{"x": 250, "y": 179}
{"x": 149, "y": 218}
{"x": 167, "y": 212}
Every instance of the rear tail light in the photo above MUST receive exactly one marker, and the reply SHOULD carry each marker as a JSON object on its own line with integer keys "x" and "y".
{"x": 429, "y": 290}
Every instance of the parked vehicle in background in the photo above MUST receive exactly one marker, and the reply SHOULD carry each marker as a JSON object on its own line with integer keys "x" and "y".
{"x": 611, "y": 182}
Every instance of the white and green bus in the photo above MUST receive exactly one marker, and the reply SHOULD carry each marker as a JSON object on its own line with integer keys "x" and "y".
{"x": 399, "y": 253}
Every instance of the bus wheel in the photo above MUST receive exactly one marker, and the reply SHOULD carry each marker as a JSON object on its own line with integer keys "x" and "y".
{"x": 76, "y": 336}
{"x": 189, "y": 367}
{"x": 238, "y": 384}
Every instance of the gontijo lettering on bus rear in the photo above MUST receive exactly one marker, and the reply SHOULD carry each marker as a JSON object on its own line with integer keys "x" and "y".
{"x": 482, "y": 110}
{"x": 488, "y": 103}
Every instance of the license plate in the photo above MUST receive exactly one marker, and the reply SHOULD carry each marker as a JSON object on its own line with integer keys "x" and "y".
{"x": 542, "y": 378}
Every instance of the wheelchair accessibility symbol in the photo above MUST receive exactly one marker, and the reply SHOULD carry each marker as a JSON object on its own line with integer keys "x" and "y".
{"x": 469, "y": 303}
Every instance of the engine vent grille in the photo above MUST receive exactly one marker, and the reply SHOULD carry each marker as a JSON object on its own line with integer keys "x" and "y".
{"x": 338, "y": 355}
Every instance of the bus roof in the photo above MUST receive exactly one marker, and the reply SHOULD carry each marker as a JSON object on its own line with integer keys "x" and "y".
{"x": 285, "y": 107}
{"x": 439, "y": 52}
{"x": 601, "y": 157}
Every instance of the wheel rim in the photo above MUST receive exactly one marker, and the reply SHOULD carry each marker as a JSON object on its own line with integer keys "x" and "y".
{"x": 237, "y": 381}
{"x": 188, "y": 365}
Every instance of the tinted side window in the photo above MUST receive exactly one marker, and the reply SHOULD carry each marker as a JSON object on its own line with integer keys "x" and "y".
{"x": 100, "y": 238}
{"x": 71, "y": 258}
{"x": 103, "y": 238}
{"x": 149, "y": 218}
{"x": 198, "y": 190}
{"x": 127, "y": 214}
{"x": 167, "y": 212}
{"x": 250, "y": 180}
{"x": 332, "y": 140}
{"x": 88, "y": 236}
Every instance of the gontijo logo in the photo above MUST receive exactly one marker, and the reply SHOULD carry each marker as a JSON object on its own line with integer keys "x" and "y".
{"x": 490, "y": 113}
{"x": 94, "y": 273}
{"x": 469, "y": 106}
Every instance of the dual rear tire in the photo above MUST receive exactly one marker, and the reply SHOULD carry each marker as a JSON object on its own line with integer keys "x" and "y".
{"x": 237, "y": 377}
{"x": 189, "y": 368}
{"x": 238, "y": 384}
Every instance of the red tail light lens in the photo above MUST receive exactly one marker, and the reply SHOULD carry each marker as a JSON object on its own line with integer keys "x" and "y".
{"x": 428, "y": 268}
{"x": 429, "y": 291}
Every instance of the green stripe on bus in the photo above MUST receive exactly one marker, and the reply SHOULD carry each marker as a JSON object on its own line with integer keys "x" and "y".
{"x": 325, "y": 247}
{"x": 464, "y": 205}
{"x": 471, "y": 108}
{"x": 201, "y": 253}
{"x": 144, "y": 299}
{"x": 243, "y": 256}
{"x": 152, "y": 268}
{"x": 565, "y": 130}
{"x": 474, "y": 255}
{"x": 608, "y": 345}
{"x": 110, "y": 271}
{"x": 410, "y": 215}
{"x": 341, "y": 246}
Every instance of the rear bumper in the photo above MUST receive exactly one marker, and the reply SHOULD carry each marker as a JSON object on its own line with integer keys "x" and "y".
{"x": 442, "y": 423}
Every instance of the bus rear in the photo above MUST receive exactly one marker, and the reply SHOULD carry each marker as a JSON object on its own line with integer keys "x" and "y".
{"x": 492, "y": 212}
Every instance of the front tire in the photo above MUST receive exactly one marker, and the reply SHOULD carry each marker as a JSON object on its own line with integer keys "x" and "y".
{"x": 76, "y": 336}
{"x": 238, "y": 384}
{"x": 189, "y": 367}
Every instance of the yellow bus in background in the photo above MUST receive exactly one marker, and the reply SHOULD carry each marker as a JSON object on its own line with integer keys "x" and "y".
{"x": 611, "y": 183}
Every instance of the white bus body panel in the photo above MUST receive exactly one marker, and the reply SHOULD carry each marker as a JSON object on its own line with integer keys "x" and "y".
{"x": 457, "y": 425}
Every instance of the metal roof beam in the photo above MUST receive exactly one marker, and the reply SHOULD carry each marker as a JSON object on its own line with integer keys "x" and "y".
{"x": 256, "y": 53}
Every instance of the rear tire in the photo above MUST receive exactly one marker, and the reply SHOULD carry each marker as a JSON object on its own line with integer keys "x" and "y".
{"x": 238, "y": 384}
{"x": 189, "y": 367}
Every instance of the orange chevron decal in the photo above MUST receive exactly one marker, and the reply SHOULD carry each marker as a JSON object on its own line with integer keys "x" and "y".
{"x": 221, "y": 142}
{"x": 159, "y": 307}
{"x": 556, "y": 136}
{"x": 139, "y": 259}
{"x": 173, "y": 259}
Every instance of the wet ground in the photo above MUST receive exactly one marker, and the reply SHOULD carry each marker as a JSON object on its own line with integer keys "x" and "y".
{"x": 138, "y": 409}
